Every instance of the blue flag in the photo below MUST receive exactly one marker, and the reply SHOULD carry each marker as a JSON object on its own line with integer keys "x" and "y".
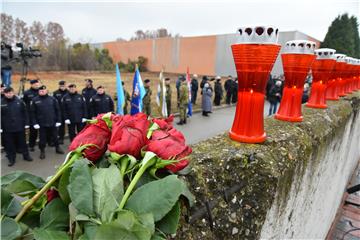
{"x": 120, "y": 93}
{"x": 137, "y": 94}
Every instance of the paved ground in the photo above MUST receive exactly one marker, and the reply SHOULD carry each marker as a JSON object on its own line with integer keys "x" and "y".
{"x": 197, "y": 129}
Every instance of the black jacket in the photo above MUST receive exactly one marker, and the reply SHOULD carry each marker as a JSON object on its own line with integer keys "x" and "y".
{"x": 87, "y": 93}
{"x": 101, "y": 104}
{"x": 58, "y": 94}
{"x": 218, "y": 89}
{"x": 14, "y": 115}
{"x": 74, "y": 107}
{"x": 29, "y": 95}
{"x": 194, "y": 85}
{"x": 45, "y": 111}
{"x": 272, "y": 96}
{"x": 228, "y": 85}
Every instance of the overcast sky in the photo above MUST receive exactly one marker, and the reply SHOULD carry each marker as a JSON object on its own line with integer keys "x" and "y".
{"x": 103, "y": 21}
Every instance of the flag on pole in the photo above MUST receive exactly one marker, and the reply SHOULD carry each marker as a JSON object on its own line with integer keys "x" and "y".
{"x": 161, "y": 95}
{"x": 119, "y": 92}
{"x": 189, "y": 89}
{"x": 137, "y": 94}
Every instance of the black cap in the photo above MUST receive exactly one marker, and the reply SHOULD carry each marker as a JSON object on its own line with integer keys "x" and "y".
{"x": 34, "y": 81}
{"x": 147, "y": 80}
{"x": 205, "y": 78}
{"x": 167, "y": 79}
{"x": 71, "y": 85}
{"x": 42, "y": 87}
{"x": 89, "y": 80}
{"x": 8, "y": 89}
{"x": 62, "y": 83}
{"x": 99, "y": 87}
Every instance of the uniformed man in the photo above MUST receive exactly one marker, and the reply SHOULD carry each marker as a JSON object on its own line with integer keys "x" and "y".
{"x": 218, "y": 91}
{"x": 27, "y": 98}
{"x": 127, "y": 99}
{"x": 234, "y": 94}
{"x": 75, "y": 111}
{"x": 45, "y": 115}
{"x": 168, "y": 95}
{"x": 14, "y": 121}
{"x": 183, "y": 101}
{"x": 101, "y": 102}
{"x": 147, "y": 98}
{"x": 87, "y": 93}
{"x": 59, "y": 94}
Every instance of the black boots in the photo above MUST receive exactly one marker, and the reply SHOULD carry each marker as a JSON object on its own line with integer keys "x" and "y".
{"x": 27, "y": 158}
{"x": 42, "y": 154}
{"x": 58, "y": 150}
{"x": 181, "y": 122}
{"x": 205, "y": 114}
{"x": 11, "y": 162}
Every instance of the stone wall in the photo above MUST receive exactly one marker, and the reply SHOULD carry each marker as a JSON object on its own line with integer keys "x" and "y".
{"x": 288, "y": 187}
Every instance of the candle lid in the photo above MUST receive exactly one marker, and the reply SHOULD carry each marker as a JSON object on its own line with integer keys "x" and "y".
{"x": 350, "y": 60}
{"x": 340, "y": 57}
{"x": 300, "y": 46}
{"x": 325, "y": 53}
{"x": 258, "y": 34}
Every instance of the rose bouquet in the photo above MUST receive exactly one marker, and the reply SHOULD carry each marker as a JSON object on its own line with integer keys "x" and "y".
{"x": 118, "y": 181}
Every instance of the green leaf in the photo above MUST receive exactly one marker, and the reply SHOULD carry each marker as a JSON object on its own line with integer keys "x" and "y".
{"x": 46, "y": 234}
{"x": 125, "y": 227}
{"x": 158, "y": 236}
{"x": 32, "y": 219}
{"x": 81, "y": 187}
{"x": 9, "y": 205}
{"x": 108, "y": 191}
{"x": 161, "y": 195}
{"x": 55, "y": 216}
{"x": 62, "y": 187}
{"x": 147, "y": 219}
{"x": 169, "y": 223}
{"x": 20, "y": 182}
{"x": 10, "y": 229}
{"x": 89, "y": 231}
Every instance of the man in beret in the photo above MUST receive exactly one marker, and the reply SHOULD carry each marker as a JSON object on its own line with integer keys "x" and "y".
{"x": 59, "y": 94}
{"x": 27, "y": 98}
{"x": 87, "y": 93}
{"x": 101, "y": 102}
{"x": 75, "y": 112}
{"x": 45, "y": 114}
{"x": 14, "y": 121}
{"x": 147, "y": 98}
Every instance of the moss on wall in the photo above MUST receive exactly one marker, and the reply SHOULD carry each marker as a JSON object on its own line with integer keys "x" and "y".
{"x": 267, "y": 170}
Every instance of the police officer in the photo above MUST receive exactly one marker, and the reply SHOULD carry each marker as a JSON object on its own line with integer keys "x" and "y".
{"x": 14, "y": 121}
{"x": 45, "y": 114}
{"x": 59, "y": 94}
{"x": 87, "y": 93}
{"x": 183, "y": 101}
{"x": 75, "y": 112}
{"x": 168, "y": 95}
{"x": 147, "y": 98}
{"x": 27, "y": 98}
{"x": 101, "y": 102}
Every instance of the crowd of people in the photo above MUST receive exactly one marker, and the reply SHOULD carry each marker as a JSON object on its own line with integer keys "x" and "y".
{"x": 39, "y": 115}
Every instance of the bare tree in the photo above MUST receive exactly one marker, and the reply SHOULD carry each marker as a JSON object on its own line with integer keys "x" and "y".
{"x": 38, "y": 34}
{"x": 21, "y": 32}
{"x": 7, "y": 33}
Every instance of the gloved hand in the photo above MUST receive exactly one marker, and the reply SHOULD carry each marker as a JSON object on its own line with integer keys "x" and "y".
{"x": 36, "y": 126}
{"x": 83, "y": 120}
{"x": 57, "y": 124}
{"x": 27, "y": 126}
{"x": 67, "y": 121}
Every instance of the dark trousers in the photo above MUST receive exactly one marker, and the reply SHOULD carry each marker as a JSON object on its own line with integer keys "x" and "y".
{"x": 74, "y": 128}
{"x": 228, "y": 97}
{"x": 61, "y": 131}
{"x": 193, "y": 97}
{"x": 47, "y": 133}
{"x": 217, "y": 100}
{"x": 14, "y": 141}
{"x": 234, "y": 97}
{"x": 273, "y": 108}
{"x": 168, "y": 107}
{"x": 33, "y": 134}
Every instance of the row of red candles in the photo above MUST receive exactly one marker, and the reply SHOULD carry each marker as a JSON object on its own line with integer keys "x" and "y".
{"x": 331, "y": 79}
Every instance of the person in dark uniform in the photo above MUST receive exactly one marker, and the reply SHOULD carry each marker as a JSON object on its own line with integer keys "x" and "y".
{"x": 194, "y": 88}
{"x": 147, "y": 98}
{"x": 234, "y": 95}
{"x": 75, "y": 112}
{"x": 127, "y": 99}
{"x": 27, "y": 98}
{"x": 45, "y": 115}
{"x": 218, "y": 91}
{"x": 228, "y": 86}
{"x": 14, "y": 121}
{"x": 101, "y": 102}
{"x": 59, "y": 94}
{"x": 87, "y": 93}
{"x": 168, "y": 94}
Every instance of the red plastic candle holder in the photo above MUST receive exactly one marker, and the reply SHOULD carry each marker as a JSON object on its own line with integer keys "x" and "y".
{"x": 254, "y": 58}
{"x": 297, "y": 60}
{"x": 340, "y": 72}
{"x": 321, "y": 70}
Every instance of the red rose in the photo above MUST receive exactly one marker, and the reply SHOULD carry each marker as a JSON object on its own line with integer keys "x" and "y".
{"x": 170, "y": 144}
{"x": 95, "y": 133}
{"x": 129, "y": 134}
{"x": 51, "y": 194}
{"x": 164, "y": 123}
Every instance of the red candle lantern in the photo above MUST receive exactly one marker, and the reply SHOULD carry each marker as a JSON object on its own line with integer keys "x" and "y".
{"x": 254, "y": 57}
{"x": 321, "y": 70}
{"x": 297, "y": 60}
{"x": 348, "y": 73}
{"x": 357, "y": 73}
{"x": 340, "y": 71}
